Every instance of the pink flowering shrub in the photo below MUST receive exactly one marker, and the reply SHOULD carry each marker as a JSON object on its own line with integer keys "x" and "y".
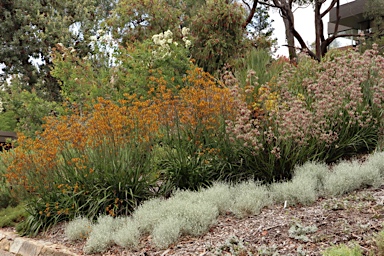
{"x": 315, "y": 111}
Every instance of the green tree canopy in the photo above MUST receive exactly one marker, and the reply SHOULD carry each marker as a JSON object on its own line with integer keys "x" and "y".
{"x": 218, "y": 27}
{"x": 374, "y": 11}
{"x": 260, "y": 28}
{"x": 218, "y": 34}
{"x": 138, "y": 20}
{"x": 29, "y": 30}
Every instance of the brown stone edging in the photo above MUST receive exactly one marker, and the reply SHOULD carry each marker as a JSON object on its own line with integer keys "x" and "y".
{"x": 12, "y": 243}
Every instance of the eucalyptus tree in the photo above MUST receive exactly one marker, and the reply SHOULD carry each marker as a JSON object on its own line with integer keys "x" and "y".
{"x": 321, "y": 8}
{"x": 286, "y": 10}
{"x": 259, "y": 25}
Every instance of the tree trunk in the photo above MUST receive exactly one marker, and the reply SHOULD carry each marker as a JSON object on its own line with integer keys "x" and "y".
{"x": 290, "y": 40}
{"x": 318, "y": 31}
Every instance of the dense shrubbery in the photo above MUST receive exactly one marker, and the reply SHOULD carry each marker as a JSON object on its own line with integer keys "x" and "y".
{"x": 314, "y": 111}
{"x": 7, "y": 121}
{"x": 158, "y": 129}
{"x": 24, "y": 110}
{"x": 109, "y": 158}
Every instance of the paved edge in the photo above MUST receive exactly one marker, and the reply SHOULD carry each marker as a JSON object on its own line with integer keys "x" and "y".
{"x": 23, "y": 246}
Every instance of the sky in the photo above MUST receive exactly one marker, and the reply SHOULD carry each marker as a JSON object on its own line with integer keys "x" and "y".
{"x": 304, "y": 23}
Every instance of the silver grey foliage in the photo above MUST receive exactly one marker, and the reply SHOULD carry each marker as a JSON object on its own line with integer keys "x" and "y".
{"x": 192, "y": 213}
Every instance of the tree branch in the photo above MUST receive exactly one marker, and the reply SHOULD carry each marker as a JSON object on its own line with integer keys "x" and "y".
{"x": 249, "y": 7}
{"x": 329, "y": 8}
{"x": 337, "y": 18}
{"x": 304, "y": 45}
{"x": 329, "y": 40}
{"x": 251, "y": 13}
{"x": 268, "y": 4}
{"x": 301, "y": 7}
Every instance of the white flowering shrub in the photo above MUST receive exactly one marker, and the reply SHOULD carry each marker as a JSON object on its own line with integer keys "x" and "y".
{"x": 161, "y": 57}
{"x": 185, "y": 32}
{"x": 163, "y": 40}
{"x": 166, "y": 44}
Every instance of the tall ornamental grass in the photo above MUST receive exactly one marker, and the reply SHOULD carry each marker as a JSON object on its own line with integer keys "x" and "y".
{"x": 85, "y": 164}
{"x": 193, "y": 124}
{"x": 262, "y": 66}
{"x": 315, "y": 111}
{"x": 110, "y": 156}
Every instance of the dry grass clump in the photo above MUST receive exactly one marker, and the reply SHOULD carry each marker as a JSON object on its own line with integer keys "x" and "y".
{"x": 78, "y": 229}
{"x": 248, "y": 198}
{"x": 305, "y": 186}
{"x": 192, "y": 213}
{"x": 167, "y": 232}
{"x": 380, "y": 242}
{"x": 128, "y": 234}
{"x": 101, "y": 237}
{"x": 186, "y": 213}
{"x": 148, "y": 214}
{"x": 220, "y": 194}
{"x": 376, "y": 160}
{"x": 348, "y": 176}
{"x": 342, "y": 250}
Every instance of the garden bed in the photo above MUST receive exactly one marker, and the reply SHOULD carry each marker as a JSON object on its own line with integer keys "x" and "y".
{"x": 353, "y": 218}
